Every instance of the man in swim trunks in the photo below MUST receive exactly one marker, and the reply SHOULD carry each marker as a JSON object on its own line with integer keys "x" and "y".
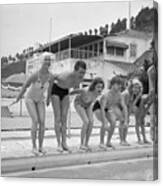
{"x": 58, "y": 92}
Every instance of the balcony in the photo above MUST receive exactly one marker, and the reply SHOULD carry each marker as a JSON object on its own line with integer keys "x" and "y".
{"x": 77, "y": 54}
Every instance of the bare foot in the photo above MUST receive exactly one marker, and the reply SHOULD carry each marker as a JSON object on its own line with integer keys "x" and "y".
{"x": 59, "y": 149}
{"x": 42, "y": 151}
{"x": 83, "y": 148}
{"x": 139, "y": 142}
{"x": 147, "y": 142}
{"x": 124, "y": 143}
{"x": 103, "y": 147}
{"x": 65, "y": 147}
{"x": 109, "y": 145}
{"x": 35, "y": 152}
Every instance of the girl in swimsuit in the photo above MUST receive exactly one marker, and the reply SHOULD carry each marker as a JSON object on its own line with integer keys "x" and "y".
{"x": 35, "y": 102}
{"x": 109, "y": 109}
{"x": 83, "y": 105}
{"x": 132, "y": 98}
{"x": 140, "y": 107}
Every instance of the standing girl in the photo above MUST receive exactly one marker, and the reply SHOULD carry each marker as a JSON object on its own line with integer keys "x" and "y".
{"x": 35, "y": 101}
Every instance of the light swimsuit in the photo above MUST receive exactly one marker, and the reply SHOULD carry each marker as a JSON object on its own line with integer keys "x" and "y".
{"x": 37, "y": 90}
{"x": 79, "y": 101}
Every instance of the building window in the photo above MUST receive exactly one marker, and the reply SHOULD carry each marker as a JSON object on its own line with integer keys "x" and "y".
{"x": 133, "y": 50}
{"x": 110, "y": 50}
{"x": 95, "y": 49}
{"x": 101, "y": 48}
{"x": 119, "y": 52}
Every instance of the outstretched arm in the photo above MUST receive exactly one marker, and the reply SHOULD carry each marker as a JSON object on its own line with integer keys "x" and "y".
{"x": 25, "y": 86}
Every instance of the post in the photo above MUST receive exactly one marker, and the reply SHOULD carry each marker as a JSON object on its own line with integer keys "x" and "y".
{"x": 50, "y": 34}
{"x": 129, "y": 15}
{"x": 20, "y": 108}
{"x": 69, "y": 46}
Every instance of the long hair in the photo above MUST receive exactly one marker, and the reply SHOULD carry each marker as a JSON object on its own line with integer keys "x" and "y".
{"x": 96, "y": 81}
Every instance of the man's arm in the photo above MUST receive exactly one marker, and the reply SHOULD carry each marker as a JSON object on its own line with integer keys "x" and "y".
{"x": 76, "y": 91}
{"x": 51, "y": 80}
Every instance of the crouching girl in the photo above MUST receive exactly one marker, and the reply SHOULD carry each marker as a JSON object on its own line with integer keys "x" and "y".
{"x": 83, "y": 104}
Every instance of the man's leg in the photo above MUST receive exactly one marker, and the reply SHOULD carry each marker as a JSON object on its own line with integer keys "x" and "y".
{"x": 64, "y": 113}
{"x": 57, "y": 119}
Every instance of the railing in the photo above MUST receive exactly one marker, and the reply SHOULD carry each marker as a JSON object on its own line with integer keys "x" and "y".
{"x": 76, "y": 54}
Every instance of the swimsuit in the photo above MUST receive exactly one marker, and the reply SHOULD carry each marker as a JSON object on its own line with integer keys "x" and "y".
{"x": 137, "y": 104}
{"x": 97, "y": 106}
{"x": 37, "y": 90}
{"x": 60, "y": 92}
{"x": 79, "y": 101}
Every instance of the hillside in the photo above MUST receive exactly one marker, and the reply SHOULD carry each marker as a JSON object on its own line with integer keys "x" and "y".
{"x": 13, "y": 68}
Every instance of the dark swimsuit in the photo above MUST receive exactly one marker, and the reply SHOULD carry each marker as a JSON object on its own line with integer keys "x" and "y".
{"x": 98, "y": 106}
{"x": 60, "y": 92}
{"x": 138, "y": 102}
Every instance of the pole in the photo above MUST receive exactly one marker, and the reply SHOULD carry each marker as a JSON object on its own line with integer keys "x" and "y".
{"x": 69, "y": 46}
{"x": 50, "y": 34}
{"x": 129, "y": 14}
{"x": 21, "y": 107}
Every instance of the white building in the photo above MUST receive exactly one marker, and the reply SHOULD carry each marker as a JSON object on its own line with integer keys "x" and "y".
{"x": 105, "y": 56}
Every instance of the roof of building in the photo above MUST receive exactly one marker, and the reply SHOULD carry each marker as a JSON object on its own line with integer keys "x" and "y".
{"x": 135, "y": 34}
{"x": 126, "y": 67}
{"x": 116, "y": 44}
{"x": 146, "y": 55}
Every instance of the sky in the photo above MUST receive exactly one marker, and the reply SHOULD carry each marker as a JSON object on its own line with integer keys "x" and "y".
{"x": 25, "y": 25}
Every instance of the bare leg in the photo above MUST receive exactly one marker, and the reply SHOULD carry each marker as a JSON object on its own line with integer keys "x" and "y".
{"x": 90, "y": 125}
{"x": 41, "y": 112}
{"x": 121, "y": 134}
{"x": 112, "y": 119}
{"x": 137, "y": 124}
{"x": 57, "y": 119}
{"x": 143, "y": 131}
{"x": 32, "y": 110}
{"x": 82, "y": 113}
{"x": 64, "y": 113}
{"x": 102, "y": 129}
{"x": 125, "y": 133}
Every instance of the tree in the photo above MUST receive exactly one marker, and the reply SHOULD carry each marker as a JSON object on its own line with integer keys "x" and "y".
{"x": 132, "y": 23}
{"x": 4, "y": 61}
{"x": 146, "y": 20}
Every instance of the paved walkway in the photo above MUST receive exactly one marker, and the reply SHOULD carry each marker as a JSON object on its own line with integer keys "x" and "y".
{"x": 16, "y": 141}
{"x": 18, "y": 144}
